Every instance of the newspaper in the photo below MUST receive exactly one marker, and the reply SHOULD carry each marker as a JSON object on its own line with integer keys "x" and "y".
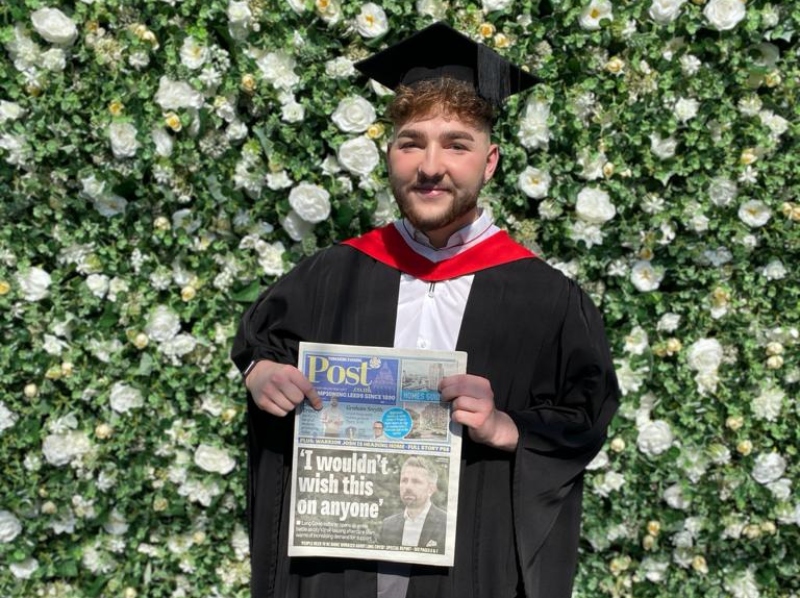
{"x": 382, "y": 419}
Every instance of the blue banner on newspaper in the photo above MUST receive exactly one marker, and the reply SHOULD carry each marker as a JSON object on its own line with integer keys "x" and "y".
{"x": 352, "y": 378}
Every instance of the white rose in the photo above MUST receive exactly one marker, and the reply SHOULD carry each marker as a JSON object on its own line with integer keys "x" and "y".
{"x": 179, "y": 345}
{"x": 61, "y": 449}
{"x": 34, "y": 284}
{"x": 645, "y": 277}
{"x": 163, "y": 142}
{"x": 92, "y": 188}
{"x": 10, "y": 527}
{"x": 278, "y": 180}
{"x": 123, "y": 398}
{"x": 776, "y": 124}
{"x": 663, "y": 148}
{"x": 668, "y": 322}
{"x": 609, "y": 482}
{"x": 311, "y": 202}
{"x": 534, "y": 183}
{"x": 654, "y": 570}
{"x": 237, "y": 130}
{"x": 664, "y": 12}
{"x": 173, "y": 95}
{"x": 588, "y": 232}
{"x": 116, "y": 524}
{"x": 767, "y": 405}
{"x": 123, "y": 139}
{"x": 371, "y": 21}
{"x": 193, "y": 54}
{"x": 239, "y": 13}
{"x": 436, "y": 9}
{"x": 534, "y": 132}
{"x": 339, "y": 68}
{"x": 353, "y": 115}
{"x": 109, "y": 205}
{"x": 591, "y": 164}
{"x": 768, "y": 468}
{"x": 214, "y": 460}
{"x": 594, "y": 206}
{"x": 594, "y": 13}
{"x": 54, "y": 345}
{"x": 673, "y": 496}
{"x": 298, "y": 6}
{"x": 24, "y": 569}
{"x": 329, "y": 11}
{"x": 292, "y": 112}
{"x": 705, "y": 355}
{"x": 690, "y": 65}
{"x": 270, "y": 258}
{"x": 600, "y": 461}
{"x": 686, "y": 109}
{"x": 637, "y": 341}
{"x": 654, "y": 438}
{"x": 54, "y": 26}
{"x": 7, "y": 417}
{"x": 296, "y": 227}
{"x": 724, "y": 14}
{"x": 10, "y": 111}
{"x": 722, "y": 191}
{"x": 163, "y": 324}
{"x": 278, "y": 69}
{"x": 774, "y": 270}
{"x": 359, "y": 156}
{"x": 754, "y": 213}
{"x": 492, "y": 5}
{"x": 54, "y": 60}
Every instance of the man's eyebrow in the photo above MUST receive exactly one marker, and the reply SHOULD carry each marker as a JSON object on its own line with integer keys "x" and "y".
{"x": 452, "y": 135}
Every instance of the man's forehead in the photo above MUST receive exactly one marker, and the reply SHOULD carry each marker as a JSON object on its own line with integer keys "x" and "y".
{"x": 439, "y": 126}
{"x": 414, "y": 470}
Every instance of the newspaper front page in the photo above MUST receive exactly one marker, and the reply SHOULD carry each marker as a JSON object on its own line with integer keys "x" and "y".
{"x": 382, "y": 449}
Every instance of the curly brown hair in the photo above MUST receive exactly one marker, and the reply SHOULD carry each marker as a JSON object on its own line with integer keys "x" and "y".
{"x": 446, "y": 96}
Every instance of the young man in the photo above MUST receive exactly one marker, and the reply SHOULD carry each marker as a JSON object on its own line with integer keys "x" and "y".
{"x": 540, "y": 391}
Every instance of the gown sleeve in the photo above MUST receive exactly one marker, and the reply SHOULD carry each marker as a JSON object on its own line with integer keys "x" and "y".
{"x": 573, "y": 396}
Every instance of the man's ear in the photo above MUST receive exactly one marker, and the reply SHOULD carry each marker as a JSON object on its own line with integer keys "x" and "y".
{"x": 492, "y": 161}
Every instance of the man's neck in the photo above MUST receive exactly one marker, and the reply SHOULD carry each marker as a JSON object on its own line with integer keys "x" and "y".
{"x": 414, "y": 513}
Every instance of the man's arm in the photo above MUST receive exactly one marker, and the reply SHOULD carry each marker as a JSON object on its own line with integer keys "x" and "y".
{"x": 279, "y": 388}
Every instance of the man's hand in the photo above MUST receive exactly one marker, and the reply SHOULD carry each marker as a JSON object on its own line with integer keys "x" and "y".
{"x": 278, "y": 388}
{"x": 473, "y": 406}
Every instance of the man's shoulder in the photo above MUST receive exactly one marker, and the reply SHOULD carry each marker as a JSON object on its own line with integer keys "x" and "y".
{"x": 394, "y": 519}
{"x": 437, "y": 513}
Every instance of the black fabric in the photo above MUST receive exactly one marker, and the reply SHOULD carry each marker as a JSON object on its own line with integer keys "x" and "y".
{"x": 439, "y": 51}
{"x": 539, "y": 340}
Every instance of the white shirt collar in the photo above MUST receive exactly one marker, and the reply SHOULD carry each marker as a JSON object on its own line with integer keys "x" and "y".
{"x": 422, "y": 515}
{"x": 464, "y": 238}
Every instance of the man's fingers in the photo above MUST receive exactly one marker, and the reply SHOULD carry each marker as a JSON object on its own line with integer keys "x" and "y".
{"x": 279, "y": 388}
{"x": 452, "y": 387}
{"x": 307, "y": 390}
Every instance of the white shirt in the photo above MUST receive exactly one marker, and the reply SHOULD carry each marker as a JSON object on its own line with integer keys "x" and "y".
{"x": 429, "y": 314}
{"x": 412, "y": 527}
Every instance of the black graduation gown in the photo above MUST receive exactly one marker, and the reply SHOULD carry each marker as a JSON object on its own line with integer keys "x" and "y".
{"x": 539, "y": 340}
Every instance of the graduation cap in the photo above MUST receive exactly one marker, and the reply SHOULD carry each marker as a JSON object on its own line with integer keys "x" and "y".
{"x": 438, "y": 52}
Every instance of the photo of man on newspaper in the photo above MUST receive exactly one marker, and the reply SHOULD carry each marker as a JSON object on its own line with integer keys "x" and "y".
{"x": 421, "y": 523}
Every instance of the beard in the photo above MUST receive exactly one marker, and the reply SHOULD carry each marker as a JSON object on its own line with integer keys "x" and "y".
{"x": 462, "y": 202}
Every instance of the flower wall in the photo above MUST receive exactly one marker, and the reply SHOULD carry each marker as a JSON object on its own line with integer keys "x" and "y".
{"x": 163, "y": 160}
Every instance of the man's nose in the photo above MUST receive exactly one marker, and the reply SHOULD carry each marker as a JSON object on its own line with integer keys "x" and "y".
{"x": 431, "y": 167}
